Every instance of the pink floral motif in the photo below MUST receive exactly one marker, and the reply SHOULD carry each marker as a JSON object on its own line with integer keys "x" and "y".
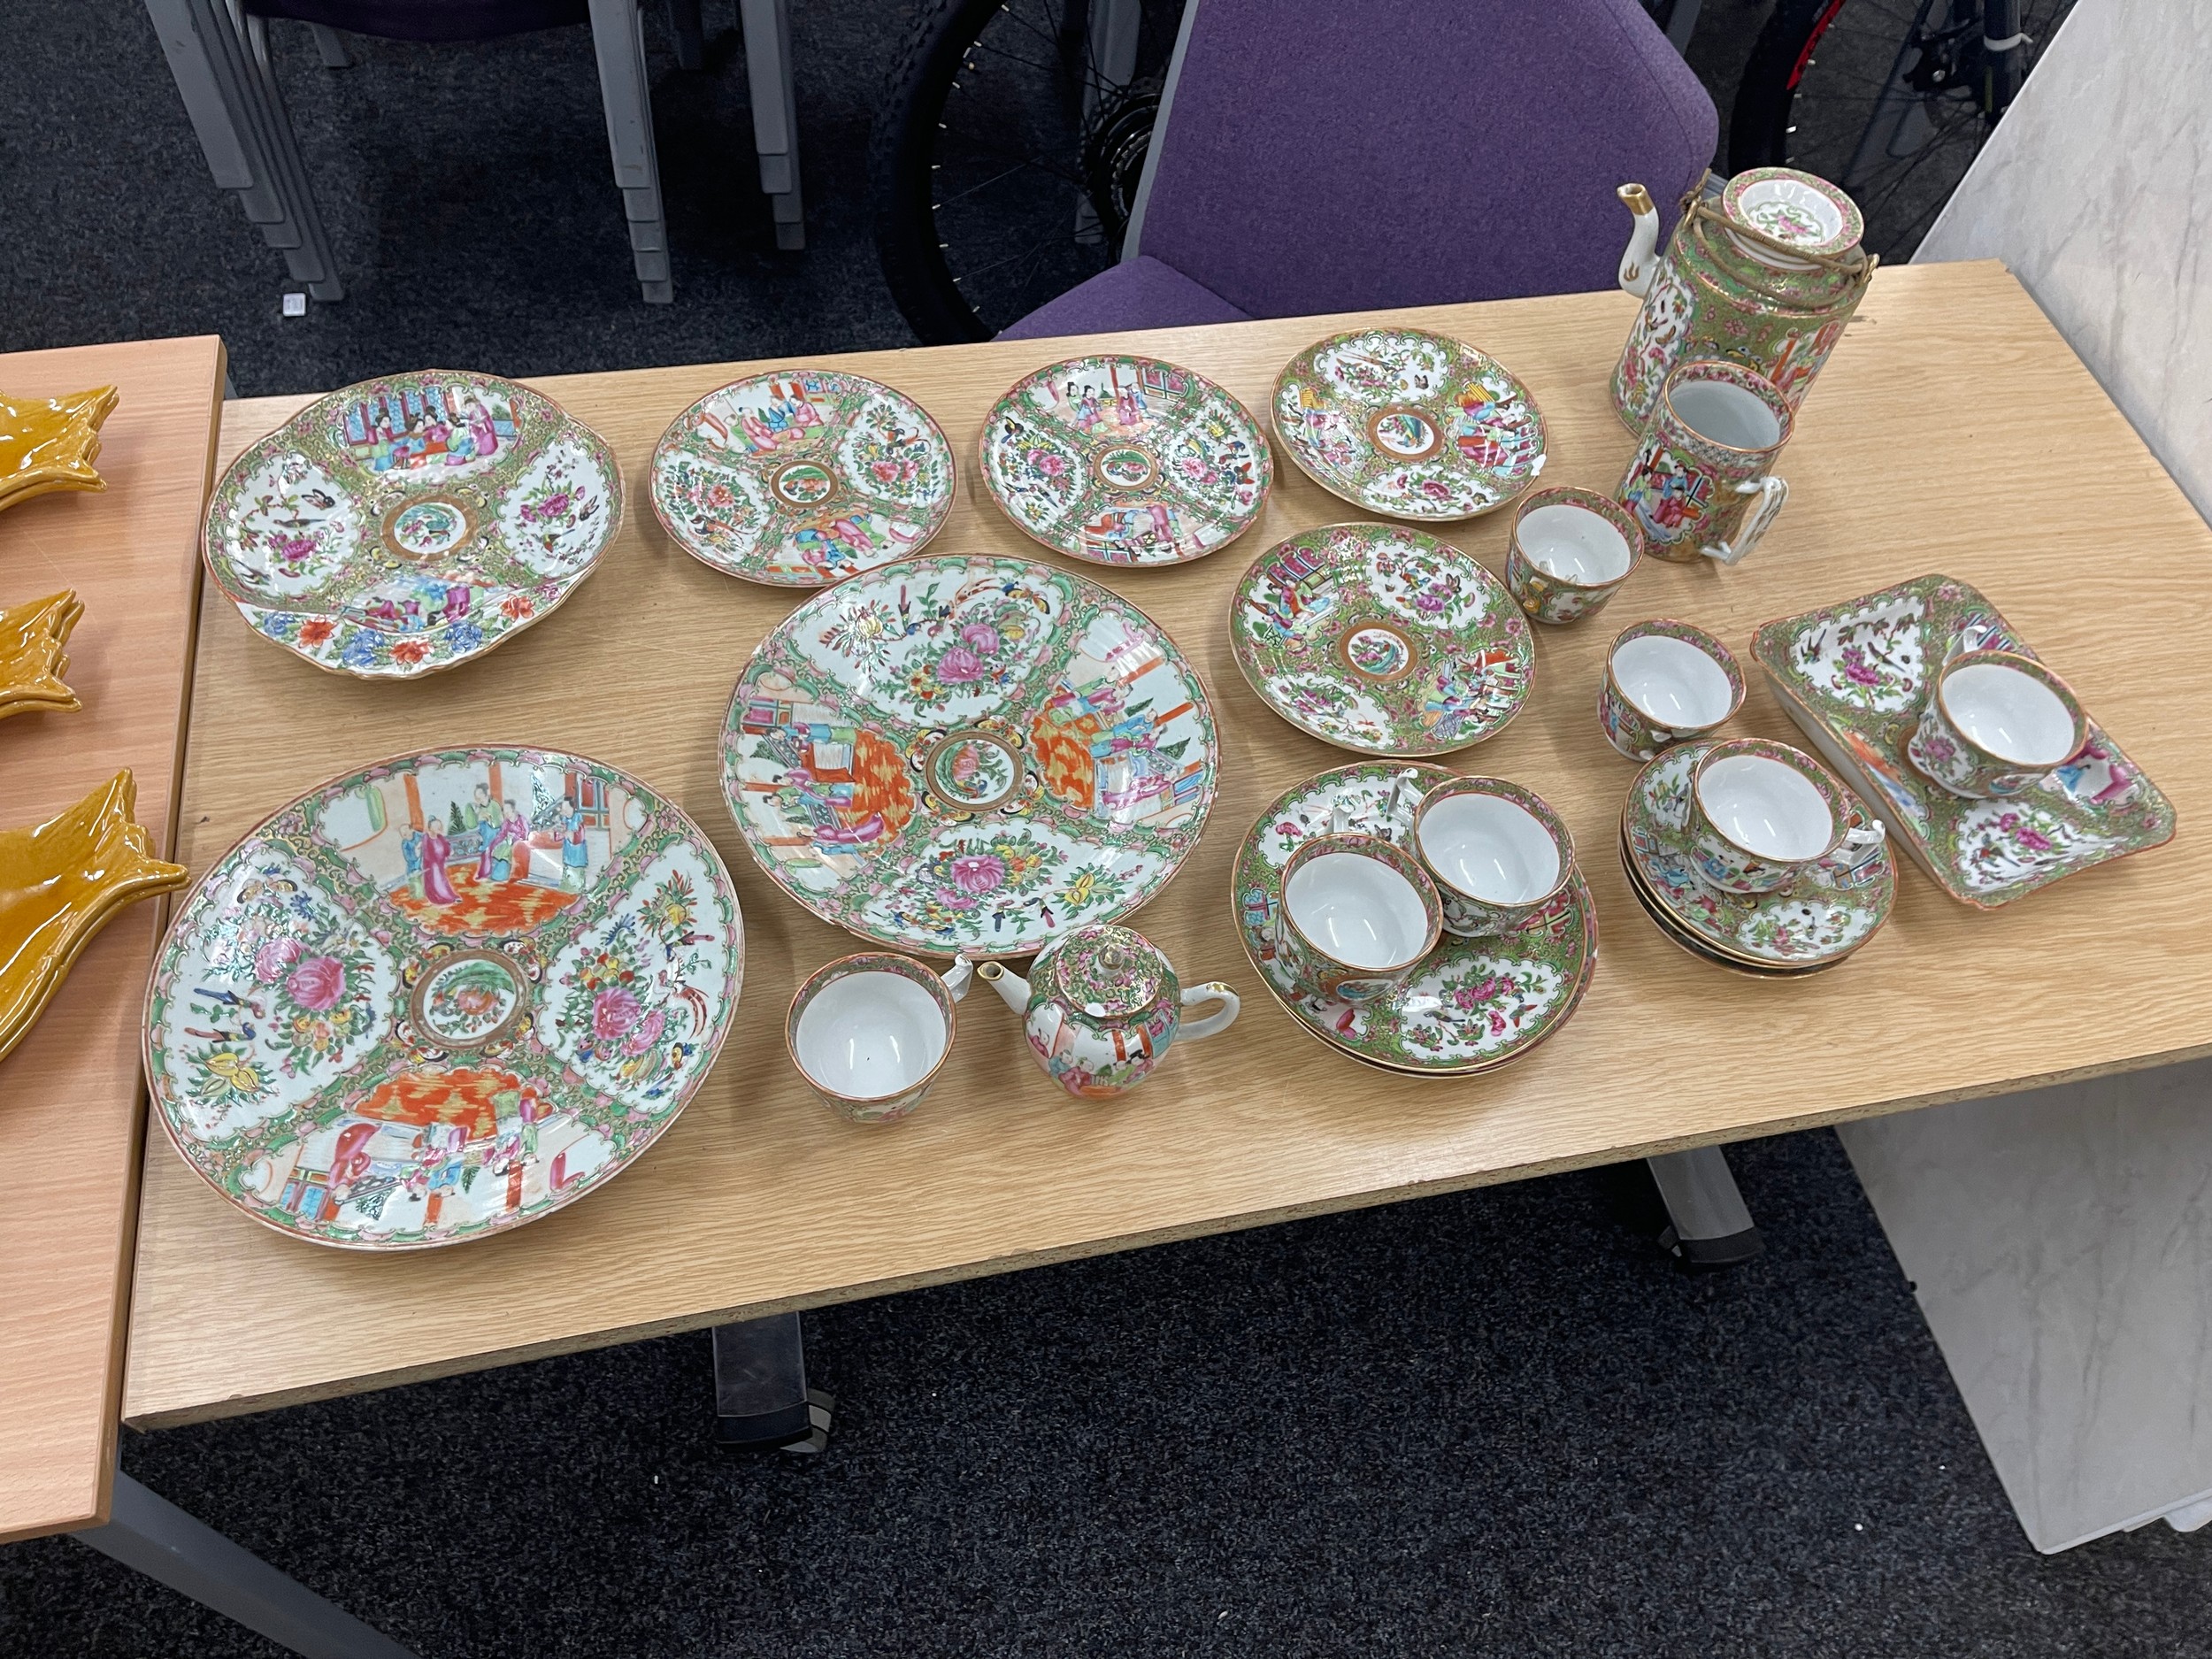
{"x": 270, "y": 961}
{"x": 646, "y": 1032}
{"x": 959, "y": 665}
{"x": 981, "y": 638}
{"x": 613, "y": 1012}
{"x": 978, "y": 873}
{"x": 317, "y": 983}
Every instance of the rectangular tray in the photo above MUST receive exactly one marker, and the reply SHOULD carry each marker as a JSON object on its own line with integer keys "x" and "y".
{"x": 1855, "y": 676}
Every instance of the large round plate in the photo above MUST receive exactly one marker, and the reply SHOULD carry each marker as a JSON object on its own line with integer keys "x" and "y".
{"x": 1822, "y": 917}
{"x": 1125, "y": 461}
{"x": 1382, "y": 640}
{"x": 442, "y": 996}
{"x": 802, "y": 477}
{"x": 969, "y": 755}
{"x": 405, "y": 525}
{"x": 1415, "y": 424}
{"x": 1475, "y": 1005}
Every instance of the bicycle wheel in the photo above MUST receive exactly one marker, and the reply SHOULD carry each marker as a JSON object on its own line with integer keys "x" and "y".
{"x": 1007, "y": 152}
{"x": 1884, "y": 98}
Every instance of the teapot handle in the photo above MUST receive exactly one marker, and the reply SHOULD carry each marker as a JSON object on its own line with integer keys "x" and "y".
{"x": 1213, "y": 1025}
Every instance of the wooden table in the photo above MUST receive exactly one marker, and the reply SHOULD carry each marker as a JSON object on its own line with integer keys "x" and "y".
{"x": 1953, "y": 431}
{"x": 70, "y": 1092}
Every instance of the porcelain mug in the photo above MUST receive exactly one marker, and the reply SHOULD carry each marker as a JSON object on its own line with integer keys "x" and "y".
{"x": 1996, "y": 723}
{"x": 1700, "y": 483}
{"x": 1571, "y": 549}
{"x": 870, "y": 1033}
{"x": 1358, "y": 916}
{"x": 1665, "y": 683}
{"x": 1497, "y": 853}
{"x": 1761, "y": 812}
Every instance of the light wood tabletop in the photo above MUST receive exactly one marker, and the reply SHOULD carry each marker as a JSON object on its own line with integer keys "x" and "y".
{"x": 1953, "y": 431}
{"x": 70, "y": 1094}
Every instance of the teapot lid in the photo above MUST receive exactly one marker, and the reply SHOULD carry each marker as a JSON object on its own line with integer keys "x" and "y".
{"x": 1105, "y": 972}
{"x": 1805, "y": 214}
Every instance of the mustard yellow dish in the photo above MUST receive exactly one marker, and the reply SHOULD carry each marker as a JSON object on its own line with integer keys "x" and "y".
{"x": 60, "y": 883}
{"x": 51, "y": 442}
{"x": 32, "y": 658}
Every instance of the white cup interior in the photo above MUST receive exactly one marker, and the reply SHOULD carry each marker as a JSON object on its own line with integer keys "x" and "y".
{"x": 1766, "y": 807}
{"x": 2014, "y": 716}
{"x": 1571, "y": 541}
{"x": 1793, "y": 193}
{"x": 1490, "y": 847}
{"x": 869, "y": 1034}
{"x": 1674, "y": 682}
{"x": 1359, "y": 910}
{"x": 1725, "y": 413}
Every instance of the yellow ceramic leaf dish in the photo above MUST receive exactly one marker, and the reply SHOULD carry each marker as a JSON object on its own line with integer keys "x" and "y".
{"x": 32, "y": 658}
{"x": 51, "y": 442}
{"x": 60, "y": 883}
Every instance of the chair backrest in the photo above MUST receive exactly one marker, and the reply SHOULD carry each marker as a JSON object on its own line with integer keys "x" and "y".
{"x": 1334, "y": 155}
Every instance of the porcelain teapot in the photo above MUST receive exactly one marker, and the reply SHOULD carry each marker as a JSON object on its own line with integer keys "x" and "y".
{"x": 1102, "y": 1006}
{"x": 1764, "y": 270}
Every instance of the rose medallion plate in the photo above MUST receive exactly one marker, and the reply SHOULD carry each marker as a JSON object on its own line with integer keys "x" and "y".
{"x": 1125, "y": 461}
{"x": 969, "y": 755}
{"x": 1381, "y": 639}
{"x": 1855, "y": 676}
{"x": 1819, "y": 920}
{"x": 800, "y": 478}
{"x": 1415, "y": 424}
{"x": 442, "y": 996}
{"x": 405, "y": 525}
{"x": 1476, "y": 1004}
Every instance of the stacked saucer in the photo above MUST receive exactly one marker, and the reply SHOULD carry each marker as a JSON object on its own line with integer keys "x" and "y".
{"x": 1815, "y": 923}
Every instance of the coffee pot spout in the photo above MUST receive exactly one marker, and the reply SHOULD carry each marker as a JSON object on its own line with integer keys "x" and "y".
{"x": 1643, "y": 240}
{"x": 1013, "y": 990}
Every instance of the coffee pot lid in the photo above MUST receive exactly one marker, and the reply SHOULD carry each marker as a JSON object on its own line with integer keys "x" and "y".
{"x": 1107, "y": 971}
{"x": 1800, "y": 212}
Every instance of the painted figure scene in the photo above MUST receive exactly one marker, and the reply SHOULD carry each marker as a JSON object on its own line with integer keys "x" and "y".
{"x": 426, "y": 427}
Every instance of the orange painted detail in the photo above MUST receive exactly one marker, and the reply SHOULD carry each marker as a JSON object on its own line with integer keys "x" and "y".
{"x": 880, "y": 783}
{"x": 1061, "y": 745}
{"x": 469, "y": 1098}
{"x": 485, "y": 906}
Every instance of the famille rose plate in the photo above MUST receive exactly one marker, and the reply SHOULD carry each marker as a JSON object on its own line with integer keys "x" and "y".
{"x": 409, "y": 524}
{"x": 969, "y": 755}
{"x": 1414, "y": 424}
{"x": 1856, "y": 678}
{"x": 802, "y": 477}
{"x": 1475, "y": 1004}
{"x": 1382, "y": 640}
{"x": 1818, "y": 921}
{"x": 1125, "y": 461}
{"x": 442, "y": 996}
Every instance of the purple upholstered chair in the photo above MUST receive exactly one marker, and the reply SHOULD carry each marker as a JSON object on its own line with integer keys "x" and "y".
{"x": 1367, "y": 153}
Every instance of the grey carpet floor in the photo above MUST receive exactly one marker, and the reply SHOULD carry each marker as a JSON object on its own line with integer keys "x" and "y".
{"x": 1495, "y": 1424}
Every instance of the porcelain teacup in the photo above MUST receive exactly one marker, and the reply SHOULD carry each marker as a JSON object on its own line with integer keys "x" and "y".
{"x": 1496, "y": 852}
{"x": 1761, "y": 813}
{"x": 1665, "y": 683}
{"x": 1359, "y": 915}
{"x": 1996, "y": 723}
{"x": 1700, "y": 483}
{"x": 870, "y": 1033}
{"x": 1571, "y": 549}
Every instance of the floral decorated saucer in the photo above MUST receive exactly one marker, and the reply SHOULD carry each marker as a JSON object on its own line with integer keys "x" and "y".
{"x": 1415, "y": 424}
{"x": 1382, "y": 640}
{"x": 408, "y": 524}
{"x": 802, "y": 477}
{"x": 1123, "y": 460}
{"x": 1476, "y": 1004}
{"x": 1856, "y": 678}
{"x": 969, "y": 755}
{"x": 1817, "y": 920}
{"x": 442, "y": 996}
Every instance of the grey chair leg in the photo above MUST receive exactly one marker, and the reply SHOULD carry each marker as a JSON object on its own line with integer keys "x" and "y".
{"x": 767, "y": 26}
{"x": 1711, "y": 1227}
{"x": 618, "y": 37}
{"x": 232, "y": 100}
{"x": 761, "y": 1400}
{"x": 162, "y": 1541}
{"x": 690, "y": 34}
{"x": 330, "y": 46}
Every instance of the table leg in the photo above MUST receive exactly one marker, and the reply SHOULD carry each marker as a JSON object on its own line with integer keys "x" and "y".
{"x": 1709, "y": 1225}
{"x": 767, "y": 26}
{"x": 761, "y": 1400}
{"x": 165, "y": 1544}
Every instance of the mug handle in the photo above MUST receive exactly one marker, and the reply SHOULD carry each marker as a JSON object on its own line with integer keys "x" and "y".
{"x": 958, "y": 976}
{"x": 1771, "y": 492}
{"x": 1213, "y": 1025}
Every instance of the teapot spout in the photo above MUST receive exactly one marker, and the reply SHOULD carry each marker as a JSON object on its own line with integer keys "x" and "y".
{"x": 1013, "y": 990}
{"x": 1643, "y": 240}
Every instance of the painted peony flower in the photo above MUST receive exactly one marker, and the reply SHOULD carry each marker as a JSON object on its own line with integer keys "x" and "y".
{"x": 613, "y": 1012}
{"x": 270, "y": 961}
{"x": 317, "y": 983}
{"x": 645, "y": 1033}
{"x": 978, "y": 872}
{"x": 981, "y": 638}
{"x": 959, "y": 665}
